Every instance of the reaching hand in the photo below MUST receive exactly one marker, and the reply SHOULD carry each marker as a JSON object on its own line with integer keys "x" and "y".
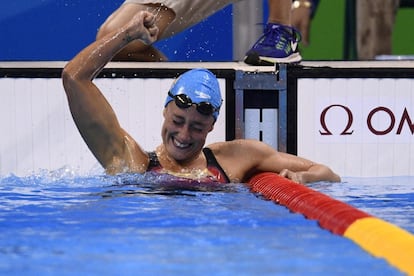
{"x": 294, "y": 176}
{"x": 142, "y": 26}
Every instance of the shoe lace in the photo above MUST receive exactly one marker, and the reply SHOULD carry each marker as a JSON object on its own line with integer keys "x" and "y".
{"x": 279, "y": 34}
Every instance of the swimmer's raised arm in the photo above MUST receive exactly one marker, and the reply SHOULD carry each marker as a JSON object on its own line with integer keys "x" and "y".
{"x": 93, "y": 115}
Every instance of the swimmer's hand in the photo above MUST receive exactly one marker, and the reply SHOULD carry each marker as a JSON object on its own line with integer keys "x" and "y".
{"x": 297, "y": 177}
{"x": 316, "y": 172}
{"x": 142, "y": 26}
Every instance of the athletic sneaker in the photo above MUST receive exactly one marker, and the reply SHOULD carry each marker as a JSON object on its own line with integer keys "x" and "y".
{"x": 278, "y": 44}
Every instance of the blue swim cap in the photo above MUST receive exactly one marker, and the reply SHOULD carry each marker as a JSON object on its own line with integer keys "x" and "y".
{"x": 200, "y": 85}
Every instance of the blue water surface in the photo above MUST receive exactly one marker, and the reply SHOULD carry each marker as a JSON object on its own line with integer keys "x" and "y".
{"x": 388, "y": 198}
{"x": 60, "y": 223}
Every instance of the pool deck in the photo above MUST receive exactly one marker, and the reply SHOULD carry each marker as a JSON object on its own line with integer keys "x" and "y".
{"x": 236, "y": 65}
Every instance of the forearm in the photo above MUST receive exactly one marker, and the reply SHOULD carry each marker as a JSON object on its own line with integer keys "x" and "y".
{"x": 84, "y": 97}
{"x": 90, "y": 61}
{"x": 318, "y": 172}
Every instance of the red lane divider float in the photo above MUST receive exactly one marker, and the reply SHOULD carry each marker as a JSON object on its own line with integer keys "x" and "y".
{"x": 379, "y": 238}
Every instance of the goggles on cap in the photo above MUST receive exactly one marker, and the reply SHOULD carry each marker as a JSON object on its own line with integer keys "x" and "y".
{"x": 184, "y": 101}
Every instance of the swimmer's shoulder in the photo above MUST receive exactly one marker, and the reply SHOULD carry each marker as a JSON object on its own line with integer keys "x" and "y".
{"x": 230, "y": 146}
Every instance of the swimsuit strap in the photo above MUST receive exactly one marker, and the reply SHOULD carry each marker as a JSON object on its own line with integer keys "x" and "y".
{"x": 153, "y": 161}
{"x": 212, "y": 163}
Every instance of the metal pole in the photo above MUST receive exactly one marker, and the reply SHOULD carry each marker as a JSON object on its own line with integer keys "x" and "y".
{"x": 247, "y": 19}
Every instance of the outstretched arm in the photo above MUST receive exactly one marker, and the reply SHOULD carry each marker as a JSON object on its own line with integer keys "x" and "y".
{"x": 253, "y": 157}
{"x": 293, "y": 167}
{"x": 93, "y": 115}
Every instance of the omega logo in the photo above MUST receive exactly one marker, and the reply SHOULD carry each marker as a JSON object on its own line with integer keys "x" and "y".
{"x": 404, "y": 119}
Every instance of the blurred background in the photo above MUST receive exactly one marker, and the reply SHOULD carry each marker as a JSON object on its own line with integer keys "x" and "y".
{"x": 55, "y": 30}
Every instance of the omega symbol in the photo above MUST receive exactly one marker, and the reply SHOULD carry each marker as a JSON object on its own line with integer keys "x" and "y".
{"x": 346, "y": 131}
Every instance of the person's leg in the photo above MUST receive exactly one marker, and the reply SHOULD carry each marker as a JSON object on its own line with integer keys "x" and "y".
{"x": 375, "y": 22}
{"x": 280, "y": 41}
{"x": 136, "y": 50}
{"x": 279, "y": 12}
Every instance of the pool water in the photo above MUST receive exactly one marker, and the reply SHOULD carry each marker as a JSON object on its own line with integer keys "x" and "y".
{"x": 388, "y": 198}
{"x": 62, "y": 223}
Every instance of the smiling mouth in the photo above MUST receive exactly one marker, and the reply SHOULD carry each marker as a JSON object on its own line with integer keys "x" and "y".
{"x": 180, "y": 145}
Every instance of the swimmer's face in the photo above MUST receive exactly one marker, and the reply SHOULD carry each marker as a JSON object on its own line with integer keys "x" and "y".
{"x": 184, "y": 132}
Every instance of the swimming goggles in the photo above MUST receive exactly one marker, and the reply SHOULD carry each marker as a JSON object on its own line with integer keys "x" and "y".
{"x": 184, "y": 101}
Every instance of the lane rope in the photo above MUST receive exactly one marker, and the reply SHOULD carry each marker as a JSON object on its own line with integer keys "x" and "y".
{"x": 376, "y": 236}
